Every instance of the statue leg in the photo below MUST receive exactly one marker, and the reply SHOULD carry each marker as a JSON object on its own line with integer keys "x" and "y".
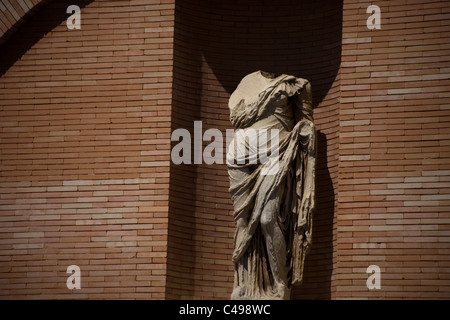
{"x": 276, "y": 247}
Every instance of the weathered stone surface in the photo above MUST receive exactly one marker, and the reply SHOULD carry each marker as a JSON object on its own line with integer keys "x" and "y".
{"x": 271, "y": 166}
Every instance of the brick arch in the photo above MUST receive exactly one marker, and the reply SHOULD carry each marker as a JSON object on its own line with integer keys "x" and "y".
{"x": 14, "y": 13}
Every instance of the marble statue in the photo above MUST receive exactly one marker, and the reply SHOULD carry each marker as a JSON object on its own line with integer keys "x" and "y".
{"x": 273, "y": 200}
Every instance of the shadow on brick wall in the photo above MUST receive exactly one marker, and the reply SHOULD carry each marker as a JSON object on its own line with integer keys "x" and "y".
{"x": 227, "y": 40}
{"x": 302, "y": 38}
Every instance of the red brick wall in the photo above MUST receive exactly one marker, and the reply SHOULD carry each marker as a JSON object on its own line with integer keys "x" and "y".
{"x": 14, "y": 12}
{"x": 394, "y": 160}
{"x": 85, "y": 139}
{"x": 86, "y": 117}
